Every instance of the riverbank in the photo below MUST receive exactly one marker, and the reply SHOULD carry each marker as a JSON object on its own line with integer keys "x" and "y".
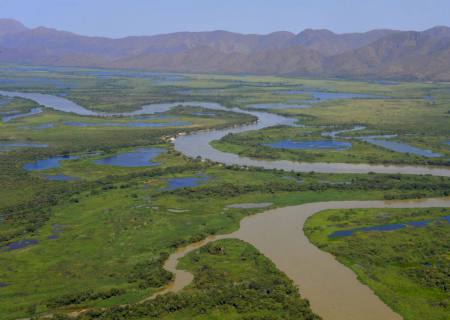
{"x": 332, "y": 289}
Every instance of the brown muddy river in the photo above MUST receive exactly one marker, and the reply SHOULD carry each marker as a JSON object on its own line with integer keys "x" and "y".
{"x": 332, "y": 289}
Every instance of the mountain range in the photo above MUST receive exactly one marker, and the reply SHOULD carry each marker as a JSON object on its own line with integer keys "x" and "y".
{"x": 381, "y": 54}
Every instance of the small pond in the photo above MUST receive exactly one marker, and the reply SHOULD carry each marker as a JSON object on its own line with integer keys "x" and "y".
{"x": 185, "y": 182}
{"x": 141, "y": 157}
{"x": 398, "y": 146}
{"x": 389, "y": 227}
{"x": 49, "y": 163}
{"x": 310, "y": 145}
{"x": 21, "y": 244}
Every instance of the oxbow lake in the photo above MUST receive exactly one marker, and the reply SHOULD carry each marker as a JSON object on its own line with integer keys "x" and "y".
{"x": 141, "y": 157}
{"x": 310, "y": 145}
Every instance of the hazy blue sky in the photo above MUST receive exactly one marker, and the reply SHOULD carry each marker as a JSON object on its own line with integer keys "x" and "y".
{"x": 116, "y": 18}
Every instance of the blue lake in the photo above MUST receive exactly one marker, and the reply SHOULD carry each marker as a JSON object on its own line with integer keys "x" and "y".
{"x": 310, "y": 145}
{"x": 185, "y": 182}
{"x": 129, "y": 124}
{"x": 398, "y": 146}
{"x": 49, "y": 163}
{"x": 32, "y": 112}
{"x": 141, "y": 157}
{"x": 388, "y": 227}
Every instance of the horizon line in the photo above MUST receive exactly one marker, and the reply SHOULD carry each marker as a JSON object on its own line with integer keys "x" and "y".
{"x": 220, "y": 30}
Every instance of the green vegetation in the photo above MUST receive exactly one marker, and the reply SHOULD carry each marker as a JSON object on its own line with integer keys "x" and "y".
{"x": 232, "y": 281}
{"x": 418, "y": 122}
{"x": 408, "y": 268}
{"x": 252, "y": 144}
{"x": 103, "y": 238}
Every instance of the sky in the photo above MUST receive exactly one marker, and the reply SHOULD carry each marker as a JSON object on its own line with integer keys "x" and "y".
{"x": 119, "y": 18}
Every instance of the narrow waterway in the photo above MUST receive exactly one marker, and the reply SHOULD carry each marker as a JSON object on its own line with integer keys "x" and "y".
{"x": 198, "y": 144}
{"x": 332, "y": 289}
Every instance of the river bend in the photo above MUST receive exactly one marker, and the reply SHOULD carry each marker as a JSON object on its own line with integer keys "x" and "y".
{"x": 198, "y": 144}
{"x": 333, "y": 290}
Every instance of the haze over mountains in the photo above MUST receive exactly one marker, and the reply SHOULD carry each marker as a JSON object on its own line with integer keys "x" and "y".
{"x": 387, "y": 54}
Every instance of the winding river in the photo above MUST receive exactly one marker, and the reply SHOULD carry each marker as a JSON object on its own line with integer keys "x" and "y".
{"x": 198, "y": 144}
{"x": 333, "y": 289}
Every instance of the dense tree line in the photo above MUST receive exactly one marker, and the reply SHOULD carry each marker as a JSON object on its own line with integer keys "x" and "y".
{"x": 412, "y": 188}
{"x": 150, "y": 274}
{"x": 266, "y": 294}
{"x": 80, "y": 297}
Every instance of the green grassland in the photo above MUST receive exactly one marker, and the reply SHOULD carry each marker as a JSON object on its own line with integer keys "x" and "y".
{"x": 417, "y": 122}
{"x": 400, "y": 109}
{"x": 117, "y": 225}
{"x": 252, "y": 144}
{"x": 231, "y": 281}
{"x": 407, "y": 268}
{"x": 113, "y": 226}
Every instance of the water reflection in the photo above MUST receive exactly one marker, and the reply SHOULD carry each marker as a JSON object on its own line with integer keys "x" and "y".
{"x": 389, "y": 227}
{"x": 141, "y": 157}
{"x": 310, "y": 145}
{"x": 49, "y": 163}
{"x": 185, "y": 182}
{"x": 398, "y": 146}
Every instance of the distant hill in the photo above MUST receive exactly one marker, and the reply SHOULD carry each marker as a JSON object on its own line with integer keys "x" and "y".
{"x": 385, "y": 54}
